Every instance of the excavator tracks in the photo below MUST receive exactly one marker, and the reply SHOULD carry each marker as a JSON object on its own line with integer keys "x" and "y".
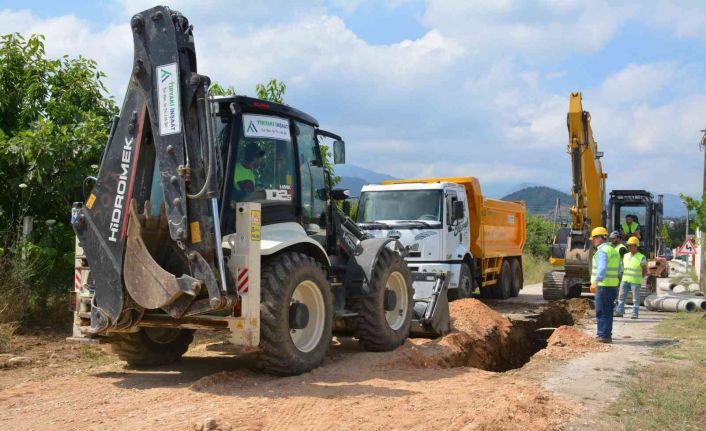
{"x": 553, "y": 285}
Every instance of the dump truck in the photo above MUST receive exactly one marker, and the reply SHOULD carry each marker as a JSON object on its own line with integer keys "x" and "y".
{"x": 219, "y": 214}
{"x": 447, "y": 226}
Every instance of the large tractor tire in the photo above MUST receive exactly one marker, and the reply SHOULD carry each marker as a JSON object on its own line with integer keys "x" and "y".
{"x": 465, "y": 284}
{"x": 152, "y": 346}
{"x": 517, "y": 277}
{"x": 502, "y": 289}
{"x": 384, "y": 317}
{"x": 296, "y": 315}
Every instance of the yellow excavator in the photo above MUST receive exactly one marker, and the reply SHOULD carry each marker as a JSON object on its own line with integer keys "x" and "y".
{"x": 570, "y": 245}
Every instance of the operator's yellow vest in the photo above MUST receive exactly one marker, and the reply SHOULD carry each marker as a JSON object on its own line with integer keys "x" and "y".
{"x": 632, "y": 267}
{"x": 611, "y": 271}
{"x": 629, "y": 230}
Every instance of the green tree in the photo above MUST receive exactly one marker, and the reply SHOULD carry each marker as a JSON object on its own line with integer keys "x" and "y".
{"x": 54, "y": 124}
{"x": 538, "y": 229}
{"x": 218, "y": 90}
{"x": 272, "y": 91}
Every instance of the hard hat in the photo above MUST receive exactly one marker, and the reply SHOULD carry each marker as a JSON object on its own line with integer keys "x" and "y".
{"x": 633, "y": 241}
{"x": 599, "y": 231}
{"x": 614, "y": 234}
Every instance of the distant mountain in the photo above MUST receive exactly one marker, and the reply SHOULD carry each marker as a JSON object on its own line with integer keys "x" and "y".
{"x": 354, "y": 178}
{"x": 541, "y": 200}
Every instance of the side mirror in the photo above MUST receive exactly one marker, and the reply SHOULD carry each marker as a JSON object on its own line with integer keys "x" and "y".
{"x": 458, "y": 210}
{"x": 340, "y": 194}
{"x": 339, "y": 152}
{"x": 549, "y": 240}
{"x": 347, "y": 208}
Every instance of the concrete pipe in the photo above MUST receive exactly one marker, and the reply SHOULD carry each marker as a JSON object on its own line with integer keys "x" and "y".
{"x": 680, "y": 289}
{"x": 669, "y": 303}
{"x": 686, "y": 281}
{"x": 685, "y": 295}
{"x": 693, "y": 287}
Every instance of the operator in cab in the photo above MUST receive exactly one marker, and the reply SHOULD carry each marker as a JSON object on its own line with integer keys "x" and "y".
{"x": 630, "y": 227}
{"x": 244, "y": 175}
{"x": 604, "y": 282}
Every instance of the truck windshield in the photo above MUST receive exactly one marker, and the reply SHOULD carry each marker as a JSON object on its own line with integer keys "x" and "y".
{"x": 398, "y": 205}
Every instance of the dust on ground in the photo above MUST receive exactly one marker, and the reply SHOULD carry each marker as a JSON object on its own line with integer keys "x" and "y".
{"x": 425, "y": 384}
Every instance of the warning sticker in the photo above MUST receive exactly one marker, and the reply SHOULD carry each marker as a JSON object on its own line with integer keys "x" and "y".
{"x": 91, "y": 201}
{"x": 265, "y": 126}
{"x": 255, "y": 225}
{"x": 169, "y": 100}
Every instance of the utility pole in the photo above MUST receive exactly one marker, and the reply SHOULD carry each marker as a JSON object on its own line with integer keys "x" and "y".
{"x": 702, "y": 255}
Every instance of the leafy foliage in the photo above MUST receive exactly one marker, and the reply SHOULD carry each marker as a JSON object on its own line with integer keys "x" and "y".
{"x": 699, "y": 209}
{"x": 538, "y": 229}
{"x": 219, "y": 90}
{"x": 54, "y": 123}
{"x": 272, "y": 91}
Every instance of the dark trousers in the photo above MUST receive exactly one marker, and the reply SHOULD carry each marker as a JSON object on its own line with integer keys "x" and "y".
{"x": 605, "y": 297}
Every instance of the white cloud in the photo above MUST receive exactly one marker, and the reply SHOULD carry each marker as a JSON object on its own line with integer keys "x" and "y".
{"x": 475, "y": 95}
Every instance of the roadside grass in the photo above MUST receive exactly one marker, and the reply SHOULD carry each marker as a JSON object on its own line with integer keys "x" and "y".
{"x": 96, "y": 356}
{"x": 7, "y": 332}
{"x": 668, "y": 395}
{"x": 534, "y": 268}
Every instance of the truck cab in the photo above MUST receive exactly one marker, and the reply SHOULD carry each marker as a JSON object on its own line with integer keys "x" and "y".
{"x": 431, "y": 222}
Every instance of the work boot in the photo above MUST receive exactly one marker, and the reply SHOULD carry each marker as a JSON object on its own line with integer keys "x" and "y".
{"x": 634, "y": 316}
{"x": 616, "y": 314}
{"x": 604, "y": 340}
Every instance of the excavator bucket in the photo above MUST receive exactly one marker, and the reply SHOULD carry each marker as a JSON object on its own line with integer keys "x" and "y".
{"x": 431, "y": 315}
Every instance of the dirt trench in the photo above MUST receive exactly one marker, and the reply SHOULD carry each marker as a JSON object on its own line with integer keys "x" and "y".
{"x": 485, "y": 339}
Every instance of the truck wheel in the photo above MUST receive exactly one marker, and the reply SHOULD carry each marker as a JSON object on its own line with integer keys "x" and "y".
{"x": 517, "y": 278}
{"x": 502, "y": 289}
{"x": 151, "y": 346}
{"x": 465, "y": 284}
{"x": 384, "y": 316}
{"x": 296, "y": 313}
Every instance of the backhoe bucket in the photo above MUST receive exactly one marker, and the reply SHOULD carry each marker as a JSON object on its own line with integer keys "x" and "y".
{"x": 431, "y": 315}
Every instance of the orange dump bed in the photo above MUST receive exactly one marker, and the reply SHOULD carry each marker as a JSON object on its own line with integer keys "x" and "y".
{"x": 496, "y": 227}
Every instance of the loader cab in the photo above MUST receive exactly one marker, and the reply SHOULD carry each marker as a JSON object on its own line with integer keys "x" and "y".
{"x": 644, "y": 210}
{"x": 271, "y": 155}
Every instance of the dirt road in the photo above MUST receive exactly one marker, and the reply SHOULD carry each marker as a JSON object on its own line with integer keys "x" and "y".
{"x": 424, "y": 385}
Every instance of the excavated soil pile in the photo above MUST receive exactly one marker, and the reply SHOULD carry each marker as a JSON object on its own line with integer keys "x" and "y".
{"x": 568, "y": 342}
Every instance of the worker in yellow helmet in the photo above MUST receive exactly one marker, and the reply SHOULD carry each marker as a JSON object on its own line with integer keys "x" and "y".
{"x": 634, "y": 271}
{"x": 604, "y": 282}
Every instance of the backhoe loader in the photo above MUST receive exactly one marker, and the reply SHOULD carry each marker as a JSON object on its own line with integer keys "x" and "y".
{"x": 218, "y": 214}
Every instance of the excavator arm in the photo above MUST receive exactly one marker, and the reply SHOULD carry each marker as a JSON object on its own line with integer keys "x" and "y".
{"x": 588, "y": 178}
{"x": 150, "y": 227}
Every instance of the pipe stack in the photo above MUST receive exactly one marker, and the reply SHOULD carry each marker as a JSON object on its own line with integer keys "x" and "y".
{"x": 685, "y": 297}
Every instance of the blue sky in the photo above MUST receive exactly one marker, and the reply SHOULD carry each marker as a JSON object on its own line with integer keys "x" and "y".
{"x": 444, "y": 87}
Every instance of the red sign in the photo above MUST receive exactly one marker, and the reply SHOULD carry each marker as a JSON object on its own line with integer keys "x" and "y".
{"x": 687, "y": 248}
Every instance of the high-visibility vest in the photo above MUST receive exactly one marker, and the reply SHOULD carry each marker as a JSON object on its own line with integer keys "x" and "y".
{"x": 242, "y": 174}
{"x": 611, "y": 271}
{"x": 629, "y": 230}
{"x": 632, "y": 267}
{"x": 621, "y": 248}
